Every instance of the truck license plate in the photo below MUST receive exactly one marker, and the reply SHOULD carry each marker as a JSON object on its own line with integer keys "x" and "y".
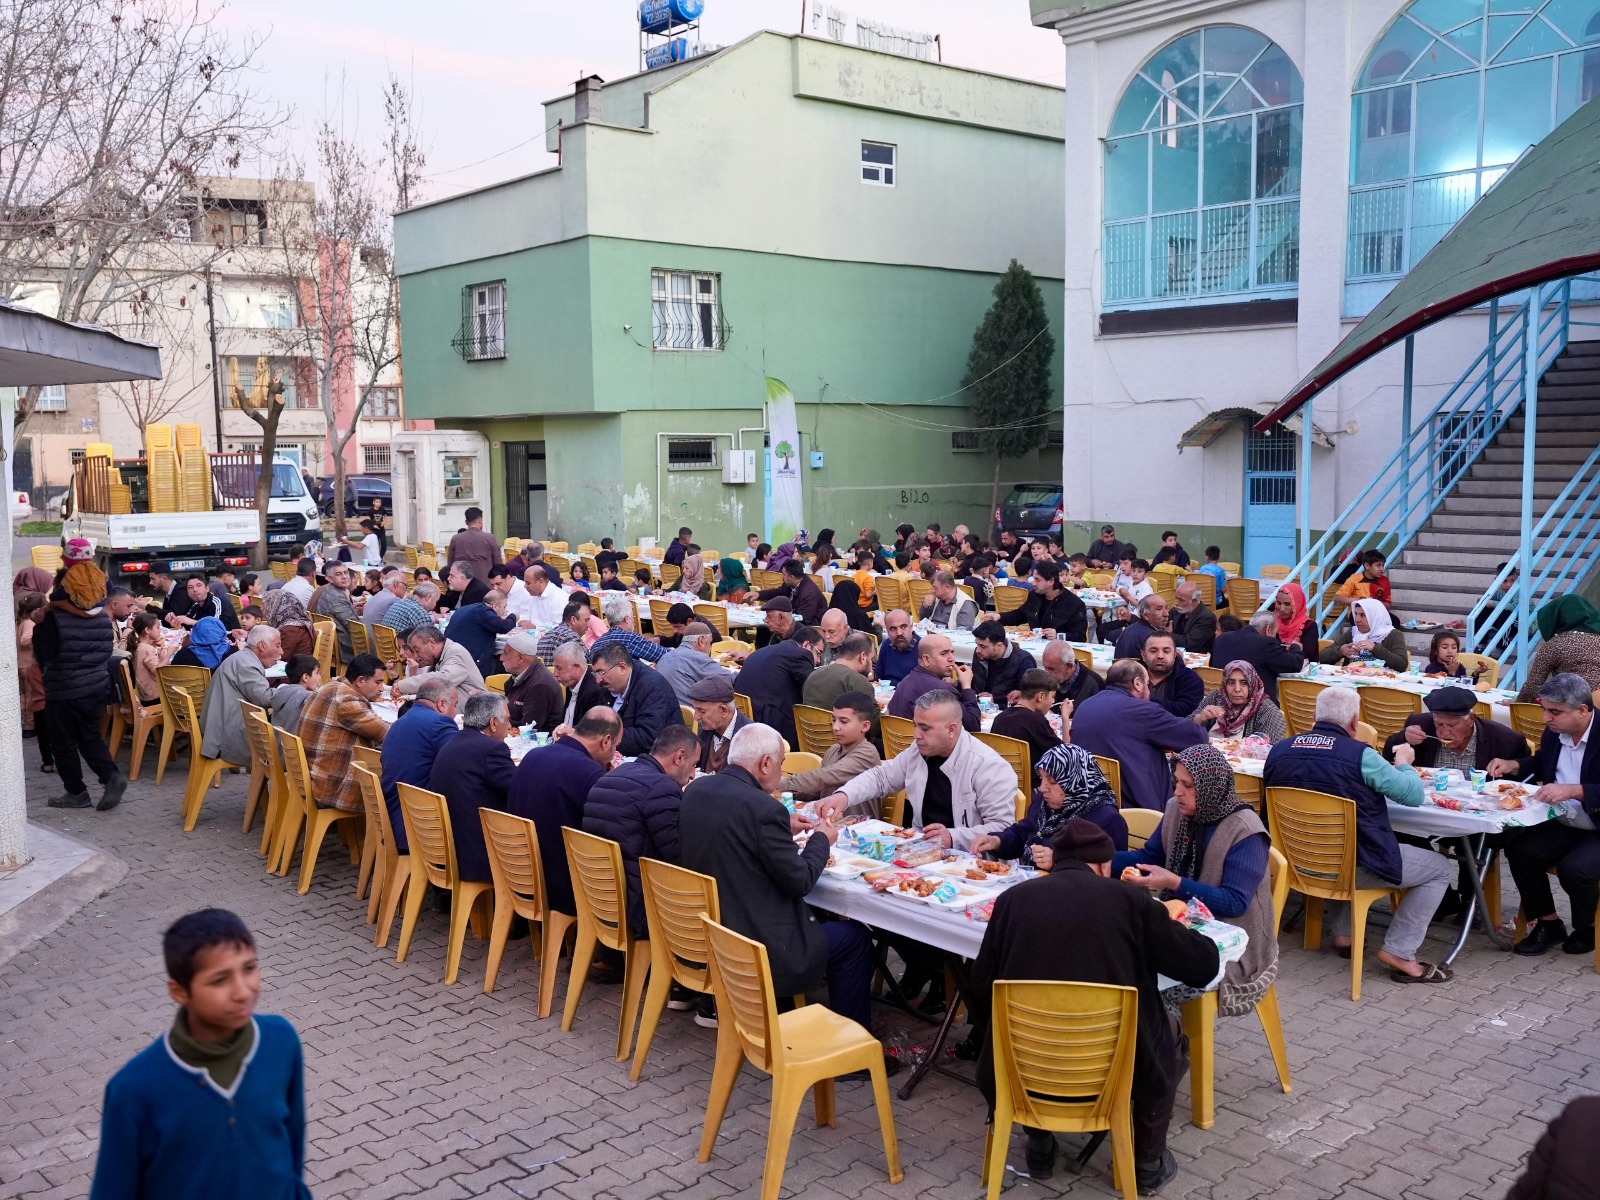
{"x": 281, "y": 537}
{"x": 188, "y": 564}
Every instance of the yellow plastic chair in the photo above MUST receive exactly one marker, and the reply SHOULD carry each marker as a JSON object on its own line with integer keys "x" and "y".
{"x": 518, "y": 870}
{"x": 433, "y": 861}
{"x": 601, "y": 891}
{"x": 559, "y": 547}
{"x": 891, "y": 593}
{"x": 318, "y": 818}
{"x": 47, "y": 557}
{"x": 894, "y": 807}
{"x": 1063, "y": 1061}
{"x": 1211, "y": 677}
{"x": 391, "y": 872}
{"x": 796, "y": 761}
{"x": 918, "y": 593}
{"x": 1112, "y": 770}
{"x": 1164, "y": 584}
{"x": 1316, "y": 833}
{"x": 675, "y": 900}
{"x": 714, "y": 615}
{"x": 322, "y": 649}
{"x": 359, "y": 642}
{"x": 658, "y": 616}
{"x": 370, "y": 757}
{"x": 1085, "y": 657}
{"x": 671, "y": 576}
{"x": 742, "y": 703}
{"x": 265, "y": 747}
{"x": 814, "y": 728}
{"x": 379, "y": 859}
{"x": 1298, "y": 700}
{"x": 686, "y": 711}
{"x": 497, "y": 683}
{"x": 1247, "y": 788}
{"x": 763, "y": 579}
{"x": 135, "y": 717}
{"x": 1207, "y": 585}
{"x": 175, "y": 679}
{"x": 1386, "y": 709}
{"x": 1528, "y": 720}
{"x": 1200, "y": 1019}
{"x": 203, "y": 771}
{"x": 1015, "y": 752}
{"x": 1142, "y": 824}
{"x": 1008, "y": 598}
{"x": 1472, "y": 661}
{"x": 260, "y": 773}
{"x": 1229, "y": 568}
{"x": 803, "y": 1050}
{"x": 385, "y": 644}
{"x": 1275, "y": 571}
{"x": 1099, "y": 580}
{"x": 899, "y": 735}
{"x": 1244, "y": 596}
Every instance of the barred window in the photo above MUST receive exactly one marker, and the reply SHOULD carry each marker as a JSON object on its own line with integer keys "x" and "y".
{"x": 966, "y": 442}
{"x": 383, "y": 403}
{"x": 691, "y": 454}
{"x": 483, "y": 322}
{"x": 375, "y": 460}
{"x": 686, "y": 312}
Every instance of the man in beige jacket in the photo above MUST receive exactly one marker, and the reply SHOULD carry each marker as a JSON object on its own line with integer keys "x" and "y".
{"x": 433, "y": 656}
{"x": 956, "y": 787}
{"x": 851, "y": 753}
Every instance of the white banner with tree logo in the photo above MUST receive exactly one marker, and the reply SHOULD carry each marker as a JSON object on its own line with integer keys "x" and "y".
{"x": 788, "y": 504}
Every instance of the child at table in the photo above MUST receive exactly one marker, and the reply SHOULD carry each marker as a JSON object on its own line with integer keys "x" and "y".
{"x": 643, "y": 584}
{"x": 148, "y": 646}
{"x": 1137, "y": 585}
{"x": 608, "y": 577}
{"x": 241, "y": 1132}
{"x": 579, "y": 575}
{"x": 1077, "y": 569}
{"x": 1213, "y": 567}
{"x": 1443, "y": 658}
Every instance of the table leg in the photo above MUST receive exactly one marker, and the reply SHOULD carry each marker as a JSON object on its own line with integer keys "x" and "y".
{"x": 1200, "y": 1023}
{"x": 1474, "y": 850}
{"x": 936, "y": 1050}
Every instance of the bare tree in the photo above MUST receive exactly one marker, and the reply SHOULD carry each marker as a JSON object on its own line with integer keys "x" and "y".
{"x": 112, "y": 113}
{"x": 152, "y": 317}
{"x": 263, "y": 403}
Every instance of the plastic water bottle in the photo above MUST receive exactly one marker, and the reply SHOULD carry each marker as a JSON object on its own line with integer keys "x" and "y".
{"x": 788, "y": 801}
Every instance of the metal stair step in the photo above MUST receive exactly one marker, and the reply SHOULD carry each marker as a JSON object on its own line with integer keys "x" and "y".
{"x": 1510, "y": 489}
{"x": 1557, "y": 423}
{"x": 1491, "y": 505}
{"x": 1566, "y": 457}
{"x": 1483, "y": 541}
{"x": 1544, "y": 470}
{"x": 1443, "y": 558}
{"x": 1561, "y": 390}
{"x": 1511, "y": 435}
{"x": 1584, "y": 370}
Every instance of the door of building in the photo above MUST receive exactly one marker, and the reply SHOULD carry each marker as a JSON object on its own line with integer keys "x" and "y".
{"x": 527, "y": 495}
{"x": 1269, "y": 500}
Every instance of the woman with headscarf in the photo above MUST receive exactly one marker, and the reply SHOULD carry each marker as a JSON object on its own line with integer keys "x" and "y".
{"x": 1370, "y": 637}
{"x": 1295, "y": 626}
{"x": 732, "y": 583}
{"x": 1071, "y": 784}
{"x": 1240, "y": 708}
{"x": 32, "y": 579}
{"x": 1570, "y": 628}
{"x": 209, "y": 644}
{"x": 1211, "y": 847}
{"x": 847, "y": 599}
{"x": 288, "y": 616}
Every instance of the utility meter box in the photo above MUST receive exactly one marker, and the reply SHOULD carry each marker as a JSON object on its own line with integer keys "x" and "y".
{"x": 738, "y": 466}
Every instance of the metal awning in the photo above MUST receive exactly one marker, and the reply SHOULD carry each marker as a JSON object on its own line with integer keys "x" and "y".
{"x": 1540, "y": 222}
{"x": 40, "y": 350}
{"x": 1211, "y": 426}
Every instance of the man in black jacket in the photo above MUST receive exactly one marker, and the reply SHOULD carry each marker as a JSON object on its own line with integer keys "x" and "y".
{"x": 580, "y": 690}
{"x": 73, "y": 648}
{"x": 1258, "y": 645}
{"x": 199, "y": 601}
{"x": 1106, "y": 551}
{"x": 1567, "y": 765}
{"x": 997, "y": 665}
{"x": 1051, "y": 608}
{"x": 1121, "y": 936}
{"x": 645, "y": 701}
{"x": 636, "y": 806}
{"x": 774, "y": 678}
{"x": 732, "y": 829}
{"x": 803, "y": 595}
{"x": 1074, "y": 681}
{"x": 1193, "y": 624}
{"x": 474, "y": 770}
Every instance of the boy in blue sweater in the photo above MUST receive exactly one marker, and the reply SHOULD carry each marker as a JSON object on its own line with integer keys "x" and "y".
{"x": 216, "y": 1106}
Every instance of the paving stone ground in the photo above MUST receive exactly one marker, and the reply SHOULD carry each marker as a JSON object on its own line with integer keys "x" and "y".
{"x": 418, "y": 1089}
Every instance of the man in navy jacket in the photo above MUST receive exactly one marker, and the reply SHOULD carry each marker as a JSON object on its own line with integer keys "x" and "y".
{"x": 412, "y": 745}
{"x": 1120, "y": 722}
{"x": 474, "y": 770}
{"x": 643, "y": 700}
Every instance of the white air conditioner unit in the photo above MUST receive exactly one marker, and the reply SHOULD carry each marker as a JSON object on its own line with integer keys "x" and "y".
{"x": 738, "y": 466}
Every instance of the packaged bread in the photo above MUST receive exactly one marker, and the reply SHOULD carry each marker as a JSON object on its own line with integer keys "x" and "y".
{"x": 1177, "y": 909}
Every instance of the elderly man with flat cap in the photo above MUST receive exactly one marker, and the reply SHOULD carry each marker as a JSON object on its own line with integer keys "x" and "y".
{"x": 718, "y": 719}
{"x": 1449, "y": 735}
{"x": 1121, "y": 935}
{"x": 690, "y": 661}
{"x": 780, "y": 621}
{"x": 533, "y": 694}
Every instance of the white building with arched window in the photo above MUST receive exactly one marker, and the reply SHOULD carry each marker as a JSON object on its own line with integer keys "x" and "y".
{"x": 1247, "y": 179}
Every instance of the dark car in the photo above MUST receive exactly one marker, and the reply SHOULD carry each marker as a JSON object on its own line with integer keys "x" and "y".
{"x": 1031, "y": 510}
{"x": 359, "y": 493}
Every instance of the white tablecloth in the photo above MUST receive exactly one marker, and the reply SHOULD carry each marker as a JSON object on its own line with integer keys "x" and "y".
{"x": 1496, "y": 698}
{"x": 740, "y": 616}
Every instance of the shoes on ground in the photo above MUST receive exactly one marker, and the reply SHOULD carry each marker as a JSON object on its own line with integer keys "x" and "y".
{"x": 1545, "y": 935}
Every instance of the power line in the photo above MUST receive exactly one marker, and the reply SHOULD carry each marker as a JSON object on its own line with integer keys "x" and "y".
{"x": 501, "y": 154}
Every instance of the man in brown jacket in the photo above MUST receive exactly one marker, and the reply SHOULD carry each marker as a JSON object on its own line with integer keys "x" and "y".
{"x": 475, "y": 547}
{"x": 850, "y": 754}
{"x": 336, "y": 720}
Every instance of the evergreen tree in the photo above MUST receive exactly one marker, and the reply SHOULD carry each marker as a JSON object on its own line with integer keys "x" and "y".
{"x": 1008, "y": 371}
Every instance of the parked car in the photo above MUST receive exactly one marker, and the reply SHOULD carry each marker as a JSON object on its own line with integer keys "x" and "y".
{"x": 364, "y": 489}
{"x": 1031, "y": 510}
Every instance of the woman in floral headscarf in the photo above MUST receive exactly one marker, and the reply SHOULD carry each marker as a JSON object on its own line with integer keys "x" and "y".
{"x": 1211, "y": 847}
{"x": 1071, "y": 784}
{"x": 288, "y": 616}
{"x": 1240, "y": 707}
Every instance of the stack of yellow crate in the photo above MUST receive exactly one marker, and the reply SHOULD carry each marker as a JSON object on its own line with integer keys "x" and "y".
{"x": 194, "y": 470}
{"x": 161, "y": 456}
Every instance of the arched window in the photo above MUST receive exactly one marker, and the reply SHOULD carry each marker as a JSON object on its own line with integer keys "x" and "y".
{"x": 1202, "y": 177}
{"x": 1452, "y": 93}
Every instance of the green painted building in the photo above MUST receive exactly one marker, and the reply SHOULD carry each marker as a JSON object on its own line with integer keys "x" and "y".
{"x": 787, "y": 207}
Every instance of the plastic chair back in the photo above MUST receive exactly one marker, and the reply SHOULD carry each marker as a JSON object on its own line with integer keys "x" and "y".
{"x": 1278, "y": 874}
{"x": 1112, "y": 770}
{"x": 1085, "y": 657}
{"x": 1063, "y": 1053}
{"x": 1229, "y": 568}
{"x": 1275, "y": 571}
{"x": 497, "y": 683}
{"x": 899, "y": 734}
{"x": 1142, "y": 824}
{"x": 714, "y": 615}
{"x": 322, "y": 648}
{"x": 514, "y": 863}
{"x": 359, "y": 642}
{"x": 1009, "y": 597}
{"x": 893, "y": 807}
{"x": 1528, "y": 720}
{"x": 47, "y": 557}
{"x": 1014, "y": 751}
{"x": 378, "y": 823}
{"x": 1472, "y": 661}
{"x": 1207, "y": 585}
{"x": 369, "y": 757}
{"x": 559, "y": 561}
{"x": 1164, "y": 584}
{"x": 1244, "y": 596}
{"x": 743, "y": 982}
{"x": 386, "y": 643}
{"x": 1247, "y": 788}
{"x": 764, "y": 579}
{"x": 1386, "y": 709}
{"x": 179, "y": 681}
{"x": 671, "y": 576}
{"x": 428, "y": 835}
{"x": 599, "y": 886}
{"x": 1212, "y": 676}
{"x": 658, "y": 616}
{"x": 1298, "y": 700}
{"x": 742, "y": 703}
{"x": 918, "y": 593}
{"x": 676, "y": 900}
{"x": 1316, "y": 833}
{"x": 890, "y": 593}
{"x": 558, "y": 547}
{"x": 1100, "y": 580}
{"x": 796, "y": 761}
{"x": 814, "y": 727}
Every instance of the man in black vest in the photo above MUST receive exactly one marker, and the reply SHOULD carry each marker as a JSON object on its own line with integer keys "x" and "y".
{"x": 1328, "y": 758}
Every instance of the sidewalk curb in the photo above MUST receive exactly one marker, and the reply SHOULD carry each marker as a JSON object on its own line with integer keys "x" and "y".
{"x": 48, "y": 909}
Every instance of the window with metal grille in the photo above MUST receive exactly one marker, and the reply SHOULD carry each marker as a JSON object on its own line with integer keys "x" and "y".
{"x": 878, "y": 163}
{"x": 285, "y": 369}
{"x": 383, "y": 403}
{"x": 1056, "y": 439}
{"x": 691, "y": 454}
{"x": 52, "y": 398}
{"x": 966, "y": 442}
{"x": 483, "y": 322}
{"x": 375, "y": 460}
{"x": 686, "y": 311}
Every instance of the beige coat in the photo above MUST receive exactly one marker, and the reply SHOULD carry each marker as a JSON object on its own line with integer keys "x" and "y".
{"x": 983, "y": 788}
{"x": 454, "y": 664}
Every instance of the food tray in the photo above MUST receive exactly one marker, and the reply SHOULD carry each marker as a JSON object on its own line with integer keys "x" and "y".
{"x": 849, "y": 866}
{"x": 957, "y": 871}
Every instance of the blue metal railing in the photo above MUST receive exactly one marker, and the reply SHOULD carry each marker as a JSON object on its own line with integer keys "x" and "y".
{"x": 1408, "y": 489}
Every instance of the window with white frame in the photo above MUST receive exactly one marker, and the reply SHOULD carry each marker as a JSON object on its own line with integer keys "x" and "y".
{"x": 375, "y": 459}
{"x": 877, "y": 163}
{"x": 383, "y": 404}
{"x": 52, "y": 398}
{"x": 262, "y": 305}
{"x": 691, "y": 454}
{"x": 685, "y": 311}
{"x": 482, "y": 334}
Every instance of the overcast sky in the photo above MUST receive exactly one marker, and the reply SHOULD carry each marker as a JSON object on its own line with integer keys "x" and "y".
{"x": 481, "y": 68}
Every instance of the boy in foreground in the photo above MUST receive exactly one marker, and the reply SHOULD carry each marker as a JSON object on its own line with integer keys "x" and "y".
{"x": 216, "y": 1105}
